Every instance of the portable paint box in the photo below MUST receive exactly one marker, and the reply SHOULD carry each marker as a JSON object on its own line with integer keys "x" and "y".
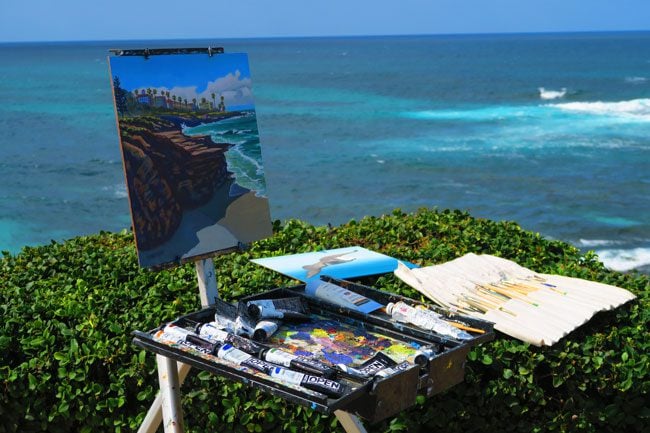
{"x": 335, "y": 335}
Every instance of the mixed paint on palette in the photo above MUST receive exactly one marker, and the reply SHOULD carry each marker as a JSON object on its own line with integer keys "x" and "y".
{"x": 177, "y": 115}
{"x": 340, "y": 343}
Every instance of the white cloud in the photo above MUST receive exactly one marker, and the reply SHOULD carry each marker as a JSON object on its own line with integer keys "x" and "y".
{"x": 235, "y": 90}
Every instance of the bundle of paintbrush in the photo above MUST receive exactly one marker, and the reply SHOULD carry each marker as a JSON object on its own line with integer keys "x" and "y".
{"x": 536, "y": 308}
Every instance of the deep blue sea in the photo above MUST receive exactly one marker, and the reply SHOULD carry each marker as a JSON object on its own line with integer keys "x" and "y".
{"x": 551, "y": 131}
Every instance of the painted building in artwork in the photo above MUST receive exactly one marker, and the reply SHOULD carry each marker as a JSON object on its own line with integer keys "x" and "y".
{"x": 160, "y": 102}
{"x": 205, "y": 105}
{"x": 144, "y": 98}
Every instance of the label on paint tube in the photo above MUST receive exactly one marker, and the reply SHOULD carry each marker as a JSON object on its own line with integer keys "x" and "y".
{"x": 368, "y": 369}
{"x": 302, "y": 363}
{"x": 232, "y": 354}
{"x": 292, "y": 377}
{"x": 236, "y": 356}
{"x": 281, "y": 308}
{"x": 315, "y": 383}
{"x": 211, "y": 332}
{"x": 341, "y": 296}
{"x": 386, "y": 372}
{"x": 177, "y": 335}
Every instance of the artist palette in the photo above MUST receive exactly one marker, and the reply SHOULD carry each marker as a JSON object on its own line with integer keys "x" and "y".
{"x": 338, "y": 336}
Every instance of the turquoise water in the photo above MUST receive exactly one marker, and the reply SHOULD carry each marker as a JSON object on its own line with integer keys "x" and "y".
{"x": 550, "y": 131}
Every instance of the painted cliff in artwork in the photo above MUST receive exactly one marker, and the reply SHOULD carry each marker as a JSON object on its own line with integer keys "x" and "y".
{"x": 191, "y": 153}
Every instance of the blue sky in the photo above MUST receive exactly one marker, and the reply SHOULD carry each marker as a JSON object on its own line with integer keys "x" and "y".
{"x": 189, "y": 76}
{"x": 70, "y": 20}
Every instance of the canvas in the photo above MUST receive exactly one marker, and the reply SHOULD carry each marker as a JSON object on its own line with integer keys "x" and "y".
{"x": 191, "y": 152}
{"x": 345, "y": 262}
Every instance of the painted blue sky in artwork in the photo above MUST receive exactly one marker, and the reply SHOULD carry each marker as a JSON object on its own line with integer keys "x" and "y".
{"x": 189, "y": 76}
{"x": 177, "y": 70}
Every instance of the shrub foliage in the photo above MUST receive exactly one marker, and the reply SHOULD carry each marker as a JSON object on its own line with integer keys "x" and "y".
{"x": 68, "y": 364}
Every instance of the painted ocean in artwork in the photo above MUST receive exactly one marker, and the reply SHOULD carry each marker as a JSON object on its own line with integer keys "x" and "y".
{"x": 186, "y": 200}
{"x": 548, "y": 130}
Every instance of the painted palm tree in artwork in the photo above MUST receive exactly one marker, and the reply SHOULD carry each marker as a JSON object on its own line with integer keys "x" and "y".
{"x": 214, "y": 101}
{"x": 194, "y": 103}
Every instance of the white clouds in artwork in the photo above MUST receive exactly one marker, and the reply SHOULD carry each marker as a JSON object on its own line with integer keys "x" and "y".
{"x": 235, "y": 89}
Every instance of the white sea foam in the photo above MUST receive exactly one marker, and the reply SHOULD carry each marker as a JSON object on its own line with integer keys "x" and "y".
{"x": 596, "y": 242}
{"x": 637, "y": 109}
{"x": 625, "y": 259}
{"x": 551, "y": 94}
{"x": 119, "y": 190}
{"x": 636, "y": 80}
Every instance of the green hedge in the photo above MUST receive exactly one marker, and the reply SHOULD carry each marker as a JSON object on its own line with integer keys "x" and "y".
{"x": 68, "y": 364}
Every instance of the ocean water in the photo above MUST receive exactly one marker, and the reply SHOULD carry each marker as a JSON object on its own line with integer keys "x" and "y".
{"x": 551, "y": 131}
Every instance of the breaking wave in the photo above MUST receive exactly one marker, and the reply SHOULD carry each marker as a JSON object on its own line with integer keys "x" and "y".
{"x": 551, "y": 94}
{"x": 638, "y": 109}
{"x": 623, "y": 260}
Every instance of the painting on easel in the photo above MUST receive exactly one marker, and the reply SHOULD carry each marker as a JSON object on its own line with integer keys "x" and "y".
{"x": 191, "y": 153}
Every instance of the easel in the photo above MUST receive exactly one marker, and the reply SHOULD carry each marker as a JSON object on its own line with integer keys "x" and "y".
{"x": 166, "y": 407}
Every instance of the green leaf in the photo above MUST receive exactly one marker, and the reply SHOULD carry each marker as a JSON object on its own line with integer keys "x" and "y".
{"x": 32, "y": 381}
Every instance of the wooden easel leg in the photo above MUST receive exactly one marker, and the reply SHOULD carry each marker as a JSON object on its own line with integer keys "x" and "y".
{"x": 153, "y": 418}
{"x": 172, "y": 412}
{"x": 208, "y": 292}
{"x": 350, "y": 423}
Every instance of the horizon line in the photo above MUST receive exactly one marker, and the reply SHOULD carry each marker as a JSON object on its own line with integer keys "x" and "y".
{"x": 351, "y": 36}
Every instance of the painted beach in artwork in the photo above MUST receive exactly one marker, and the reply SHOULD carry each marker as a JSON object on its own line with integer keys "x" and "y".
{"x": 345, "y": 262}
{"x": 191, "y": 153}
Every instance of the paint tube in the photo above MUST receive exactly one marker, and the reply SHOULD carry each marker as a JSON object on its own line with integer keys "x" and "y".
{"x": 211, "y": 331}
{"x": 264, "y": 329}
{"x": 368, "y": 368}
{"x": 296, "y": 362}
{"x": 184, "y": 337}
{"x": 282, "y": 308}
{"x": 386, "y": 372}
{"x": 225, "y": 315}
{"x": 230, "y": 353}
{"x": 328, "y": 387}
{"x": 233, "y": 319}
{"x": 423, "y": 355}
{"x": 425, "y": 319}
{"x": 341, "y": 296}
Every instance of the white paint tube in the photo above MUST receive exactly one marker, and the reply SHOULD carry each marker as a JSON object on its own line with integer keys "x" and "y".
{"x": 341, "y": 296}
{"x": 424, "y": 319}
{"x": 328, "y": 387}
{"x": 293, "y": 308}
{"x": 423, "y": 355}
{"x": 211, "y": 331}
{"x": 264, "y": 329}
{"x": 387, "y": 372}
{"x": 230, "y": 353}
{"x": 184, "y": 337}
{"x": 302, "y": 363}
